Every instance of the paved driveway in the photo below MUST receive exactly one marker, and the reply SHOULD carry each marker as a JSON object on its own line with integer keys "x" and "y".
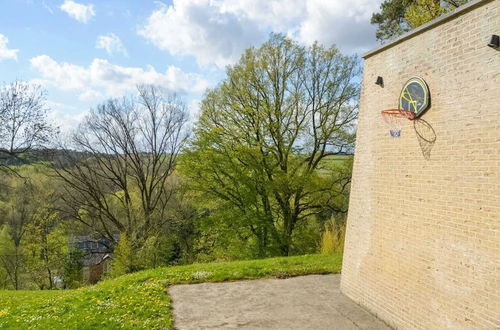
{"x": 305, "y": 302}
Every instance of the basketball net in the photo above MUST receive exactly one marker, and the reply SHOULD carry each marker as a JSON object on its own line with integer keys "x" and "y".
{"x": 394, "y": 118}
{"x": 426, "y": 136}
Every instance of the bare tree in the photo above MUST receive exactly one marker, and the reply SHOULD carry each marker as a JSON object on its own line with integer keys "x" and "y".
{"x": 23, "y": 121}
{"x": 123, "y": 155}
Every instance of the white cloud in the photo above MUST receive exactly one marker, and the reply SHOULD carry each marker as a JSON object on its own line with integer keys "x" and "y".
{"x": 279, "y": 15}
{"x": 216, "y": 32}
{"x": 104, "y": 79}
{"x": 199, "y": 28}
{"x": 6, "y": 53}
{"x": 194, "y": 110}
{"x": 345, "y": 23}
{"x": 90, "y": 94}
{"x": 111, "y": 43}
{"x": 82, "y": 13}
{"x": 66, "y": 117}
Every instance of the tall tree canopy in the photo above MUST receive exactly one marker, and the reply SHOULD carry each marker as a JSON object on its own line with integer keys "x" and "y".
{"x": 399, "y": 16}
{"x": 265, "y": 136}
{"x": 23, "y": 121}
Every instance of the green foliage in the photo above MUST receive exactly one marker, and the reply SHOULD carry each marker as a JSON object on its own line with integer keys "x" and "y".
{"x": 306, "y": 236}
{"x": 139, "y": 300}
{"x": 157, "y": 251}
{"x": 258, "y": 159}
{"x": 125, "y": 260}
{"x": 8, "y": 259}
{"x": 224, "y": 235}
{"x": 150, "y": 255}
{"x": 390, "y": 20}
{"x": 4, "y": 279}
{"x": 423, "y": 11}
{"x": 40, "y": 234}
{"x": 46, "y": 245}
{"x": 35, "y": 229}
{"x": 332, "y": 239}
{"x": 399, "y": 16}
{"x": 72, "y": 269}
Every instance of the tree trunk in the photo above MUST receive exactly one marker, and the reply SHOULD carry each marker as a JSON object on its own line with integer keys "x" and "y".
{"x": 16, "y": 273}
{"x": 50, "y": 278}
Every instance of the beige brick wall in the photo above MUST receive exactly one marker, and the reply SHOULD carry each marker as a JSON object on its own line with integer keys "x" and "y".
{"x": 423, "y": 238}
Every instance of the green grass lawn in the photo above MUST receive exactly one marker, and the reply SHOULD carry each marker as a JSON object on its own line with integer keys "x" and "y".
{"x": 140, "y": 300}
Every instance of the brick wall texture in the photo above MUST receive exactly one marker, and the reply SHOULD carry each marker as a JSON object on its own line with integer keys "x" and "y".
{"x": 423, "y": 235}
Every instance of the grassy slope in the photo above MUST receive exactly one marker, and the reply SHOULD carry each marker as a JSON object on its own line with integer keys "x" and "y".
{"x": 139, "y": 300}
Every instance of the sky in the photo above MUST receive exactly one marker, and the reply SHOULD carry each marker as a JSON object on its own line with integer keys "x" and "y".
{"x": 84, "y": 52}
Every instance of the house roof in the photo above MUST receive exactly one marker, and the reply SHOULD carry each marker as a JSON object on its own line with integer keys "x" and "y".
{"x": 93, "y": 259}
{"x": 96, "y": 250}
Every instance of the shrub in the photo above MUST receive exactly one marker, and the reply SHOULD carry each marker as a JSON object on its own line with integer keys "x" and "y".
{"x": 332, "y": 239}
{"x": 72, "y": 269}
{"x": 124, "y": 261}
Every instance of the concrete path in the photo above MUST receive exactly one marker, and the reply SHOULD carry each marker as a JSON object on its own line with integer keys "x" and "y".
{"x": 305, "y": 302}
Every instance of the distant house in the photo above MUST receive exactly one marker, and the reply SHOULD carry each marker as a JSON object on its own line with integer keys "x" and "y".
{"x": 98, "y": 253}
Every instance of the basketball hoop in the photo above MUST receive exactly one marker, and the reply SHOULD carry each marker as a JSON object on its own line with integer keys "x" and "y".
{"x": 394, "y": 119}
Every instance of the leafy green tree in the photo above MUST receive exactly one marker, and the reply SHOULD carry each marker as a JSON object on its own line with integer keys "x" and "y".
{"x": 45, "y": 241}
{"x": 46, "y": 246}
{"x": 125, "y": 260}
{"x": 16, "y": 213}
{"x": 266, "y": 134}
{"x": 399, "y": 16}
{"x": 34, "y": 227}
{"x": 10, "y": 263}
{"x": 4, "y": 278}
{"x": 72, "y": 269}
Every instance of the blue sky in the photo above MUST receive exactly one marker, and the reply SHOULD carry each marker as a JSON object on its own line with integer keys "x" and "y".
{"x": 83, "y": 51}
